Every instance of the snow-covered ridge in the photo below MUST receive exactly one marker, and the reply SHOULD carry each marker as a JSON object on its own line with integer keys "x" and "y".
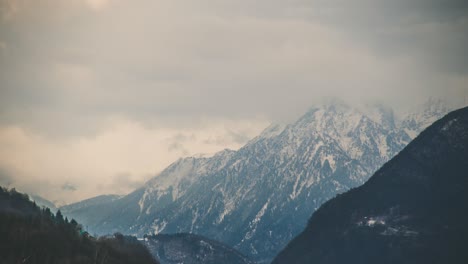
{"x": 260, "y": 196}
{"x": 329, "y": 138}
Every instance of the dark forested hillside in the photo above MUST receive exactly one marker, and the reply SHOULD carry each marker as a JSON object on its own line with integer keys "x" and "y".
{"x": 29, "y": 234}
{"x": 413, "y": 210}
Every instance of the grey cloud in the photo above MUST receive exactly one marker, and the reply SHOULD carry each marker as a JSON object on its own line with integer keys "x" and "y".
{"x": 37, "y": 187}
{"x": 432, "y": 32}
{"x": 124, "y": 182}
{"x": 176, "y": 144}
{"x": 177, "y": 147}
{"x": 238, "y": 137}
{"x": 69, "y": 187}
{"x": 180, "y": 137}
{"x": 231, "y": 136}
{"x": 5, "y": 178}
{"x": 69, "y": 71}
{"x": 65, "y": 69}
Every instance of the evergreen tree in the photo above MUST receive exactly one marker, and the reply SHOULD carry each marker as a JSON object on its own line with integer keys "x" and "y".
{"x": 59, "y": 217}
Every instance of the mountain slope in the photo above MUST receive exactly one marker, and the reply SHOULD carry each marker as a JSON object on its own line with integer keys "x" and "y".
{"x": 100, "y": 205}
{"x": 192, "y": 249}
{"x": 413, "y": 210}
{"x": 259, "y": 197}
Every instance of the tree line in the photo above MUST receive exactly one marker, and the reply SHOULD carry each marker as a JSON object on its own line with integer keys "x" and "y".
{"x": 30, "y": 235}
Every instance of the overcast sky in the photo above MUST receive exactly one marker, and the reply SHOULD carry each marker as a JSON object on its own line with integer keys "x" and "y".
{"x": 97, "y": 96}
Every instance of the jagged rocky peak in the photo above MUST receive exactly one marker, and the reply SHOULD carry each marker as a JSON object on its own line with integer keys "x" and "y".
{"x": 352, "y": 128}
{"x": 371, "y": 126}
{"x": 380, "y": 113}
{"x": 346, "y": 116}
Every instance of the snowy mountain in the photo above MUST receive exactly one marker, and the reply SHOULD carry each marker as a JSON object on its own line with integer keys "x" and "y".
{"x": 413, "y": 210}
{"x": 191, "y": 249}
{"x": 259, "y": 197}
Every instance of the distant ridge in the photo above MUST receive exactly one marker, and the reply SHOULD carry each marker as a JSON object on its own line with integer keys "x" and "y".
{"x": 192, "y": 249}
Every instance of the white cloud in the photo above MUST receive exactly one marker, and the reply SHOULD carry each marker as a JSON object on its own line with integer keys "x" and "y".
{"x": 95, "y": 165}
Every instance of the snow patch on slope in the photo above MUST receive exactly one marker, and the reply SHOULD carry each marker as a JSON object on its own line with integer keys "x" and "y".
{"x": 256, "y": 220}
{"x": 158, "y": 227}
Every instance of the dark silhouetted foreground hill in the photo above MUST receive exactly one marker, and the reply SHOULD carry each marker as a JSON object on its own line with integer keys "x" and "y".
{"x": 413, "y": 210}
{"x": 32, "y": 235}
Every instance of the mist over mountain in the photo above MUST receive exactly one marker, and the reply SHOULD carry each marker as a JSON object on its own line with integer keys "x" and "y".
{"x": 259, "y": 197}
{"x": 413, "y": 210}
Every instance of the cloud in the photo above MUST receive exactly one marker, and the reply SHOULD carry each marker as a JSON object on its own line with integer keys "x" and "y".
{"x": 137, "y": 84}
{"x": 123, "y": 156}
{"x": 97, "y": 4}
{"x": 177, "y": 62}
{"x": 5, "y": 178}
{"x": 122, "y": 182}
{"x": 69, "y": 187}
